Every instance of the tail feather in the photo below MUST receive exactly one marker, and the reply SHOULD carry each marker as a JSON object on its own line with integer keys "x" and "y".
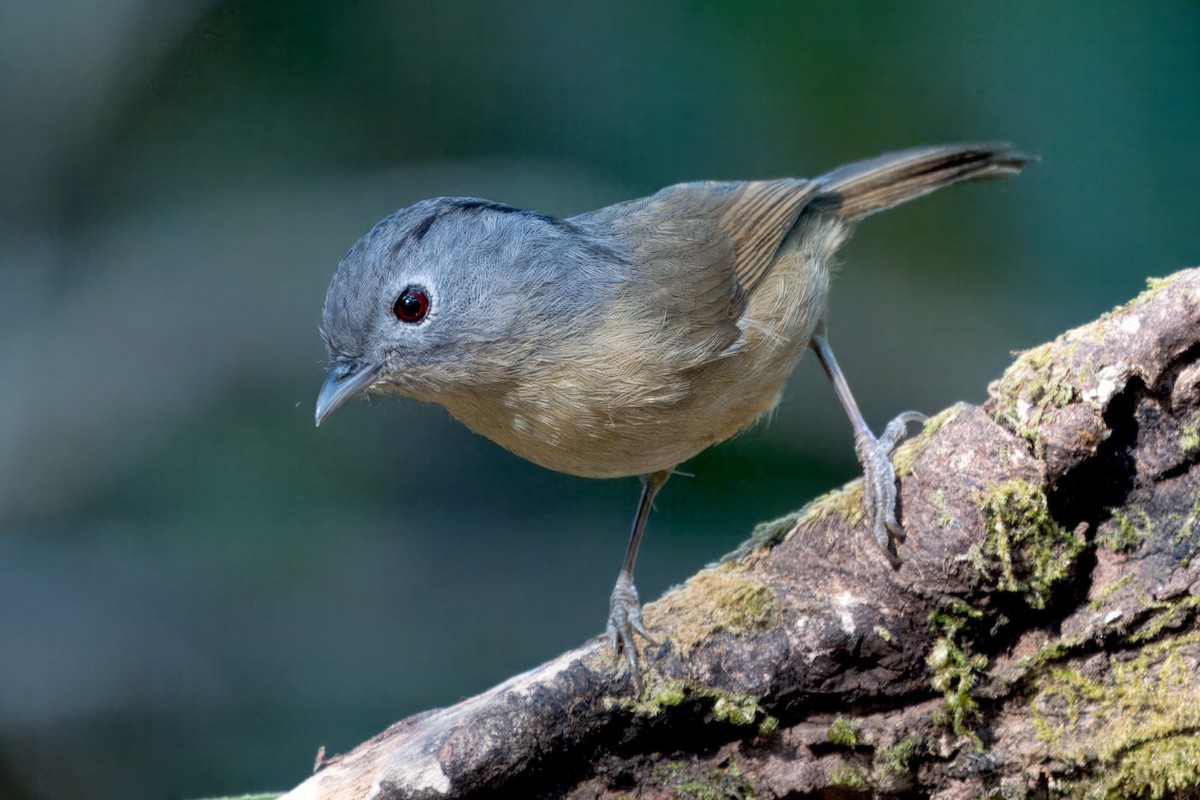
{"x": 864, "y": 187}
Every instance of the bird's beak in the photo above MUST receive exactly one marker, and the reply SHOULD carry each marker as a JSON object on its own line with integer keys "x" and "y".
{"x": 345, "y": 379}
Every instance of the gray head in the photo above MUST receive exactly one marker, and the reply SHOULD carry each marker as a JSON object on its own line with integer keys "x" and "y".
{"x": 450, "y": 293}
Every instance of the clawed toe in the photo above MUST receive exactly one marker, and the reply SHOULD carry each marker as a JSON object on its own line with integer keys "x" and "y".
{"x": 879, "y": 477}
{"x": 897, "y": 430}
{"x": 625, "y": 623}
{"x": 879, "y": 480}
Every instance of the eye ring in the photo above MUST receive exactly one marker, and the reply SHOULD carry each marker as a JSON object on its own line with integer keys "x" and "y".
{"x": 412, "y": 305}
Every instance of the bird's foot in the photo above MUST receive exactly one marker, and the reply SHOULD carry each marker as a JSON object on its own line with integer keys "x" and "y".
{"x": 879, "y": 480}
{"x": 624, "y": 623}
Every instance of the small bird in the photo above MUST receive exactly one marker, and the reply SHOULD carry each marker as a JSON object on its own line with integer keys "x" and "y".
{"x": 623, "y": 341}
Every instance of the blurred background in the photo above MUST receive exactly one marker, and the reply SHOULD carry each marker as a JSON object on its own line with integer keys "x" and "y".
{"x": 198, "y": 588}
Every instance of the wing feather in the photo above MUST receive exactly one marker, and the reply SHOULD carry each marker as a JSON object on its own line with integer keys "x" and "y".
{"x": 698, "y": 250}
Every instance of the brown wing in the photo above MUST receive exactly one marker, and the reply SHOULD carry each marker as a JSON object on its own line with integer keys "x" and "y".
{"x": 699, "y": 249}
{"x": 756, "y": 220}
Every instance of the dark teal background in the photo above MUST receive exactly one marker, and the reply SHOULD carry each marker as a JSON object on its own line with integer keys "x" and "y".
{"x": 198, "y": 588}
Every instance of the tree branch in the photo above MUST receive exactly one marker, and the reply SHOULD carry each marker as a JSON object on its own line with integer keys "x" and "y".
{"x": 1040, "y": 633}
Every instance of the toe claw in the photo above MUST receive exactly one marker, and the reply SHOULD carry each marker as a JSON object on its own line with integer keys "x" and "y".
{"x": 879, "y": 476}
{"x": 625, "y": 624}
{"x": 637, "y": 626}
{"x": 631, "y": 659}
{"x": 897, "y": 430}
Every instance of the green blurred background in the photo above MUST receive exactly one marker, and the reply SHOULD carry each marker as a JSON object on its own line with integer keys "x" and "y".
{"x": 198, "y": 588}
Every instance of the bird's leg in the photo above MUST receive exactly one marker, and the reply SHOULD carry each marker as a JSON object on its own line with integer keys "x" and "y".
{"x": 879, "y": 477}
{"x": 624, "y": 610}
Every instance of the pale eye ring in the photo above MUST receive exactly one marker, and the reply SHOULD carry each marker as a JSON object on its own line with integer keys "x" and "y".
{"x": 412, "y": 305}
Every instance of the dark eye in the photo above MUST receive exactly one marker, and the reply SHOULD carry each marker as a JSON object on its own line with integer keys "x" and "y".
{"x": 412, "y": 305}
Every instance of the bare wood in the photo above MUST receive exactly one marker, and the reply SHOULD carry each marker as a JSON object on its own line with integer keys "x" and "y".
{"x": 1041, "y": 632}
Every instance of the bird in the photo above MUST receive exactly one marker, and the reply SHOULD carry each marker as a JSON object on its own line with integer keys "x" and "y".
{"x": 625, "y": 340}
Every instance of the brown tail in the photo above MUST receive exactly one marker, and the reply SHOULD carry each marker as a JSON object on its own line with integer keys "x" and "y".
{"x": 864, "y": 187}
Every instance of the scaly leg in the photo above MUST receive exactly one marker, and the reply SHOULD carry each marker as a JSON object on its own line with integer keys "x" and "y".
{"x": 879, "y": 477}
{"x": 625, "y": 613}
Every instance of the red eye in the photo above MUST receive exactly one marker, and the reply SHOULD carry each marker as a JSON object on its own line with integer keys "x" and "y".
{"x": 412, "y": 305}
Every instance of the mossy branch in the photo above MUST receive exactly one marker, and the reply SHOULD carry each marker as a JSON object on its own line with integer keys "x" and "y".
{"x": 1040, "y": 635}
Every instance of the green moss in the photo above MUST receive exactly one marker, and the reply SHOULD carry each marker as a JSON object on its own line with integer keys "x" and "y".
{"x": 768, "y": 727}
{"x": 1109, "y": 590}
{"x": 954, "y": 666}
{"x": 1189, "y": 439}
{"x": 1165, "y": 614}
{"x": 846, "y": 503}
{"x": 1126, "y": 535}
{"x": 883, "y": 633}
{"x": 954, "y": 676}
{"x": 1050, "y": 654}
{"x": 1131, "y": 733}
{"x": 746, "y": 605}
{"x": 735, "y": 709}
{"x": 768, "y": 534}
{"x": 953, "y": 615}
{"x": 1037, "y": 382}
{"x": 1087, "y": 372}
{"x": 723, "y": 783}
{"x": 896, "y": 760}
{"x": 1189, "y": 523}
{"x": 843, "y": 732}
{"x": 1153, "y": 287}
{"x": 907, "y": 453}
{"x": 665, "y": 694}
{"x": 946, "y": 519}
{"x": 727, "y": 598}
{"x": 847, "y": 777}
{"x": 668, "y": 771}
{"x": 731, "y": 708}
{"x": 658, "y": 695}
{"x": 1024, "y": 550}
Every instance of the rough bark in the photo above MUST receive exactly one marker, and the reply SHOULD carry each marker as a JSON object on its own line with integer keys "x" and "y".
{"x": 1039, "y": 638}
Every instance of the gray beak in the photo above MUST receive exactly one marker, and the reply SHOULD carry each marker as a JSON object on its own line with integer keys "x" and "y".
{"x": 345, "y": 380}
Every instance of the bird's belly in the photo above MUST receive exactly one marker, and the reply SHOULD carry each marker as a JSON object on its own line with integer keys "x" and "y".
{"x": 635, "y": 409}
{"x": 594, "y": 436}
